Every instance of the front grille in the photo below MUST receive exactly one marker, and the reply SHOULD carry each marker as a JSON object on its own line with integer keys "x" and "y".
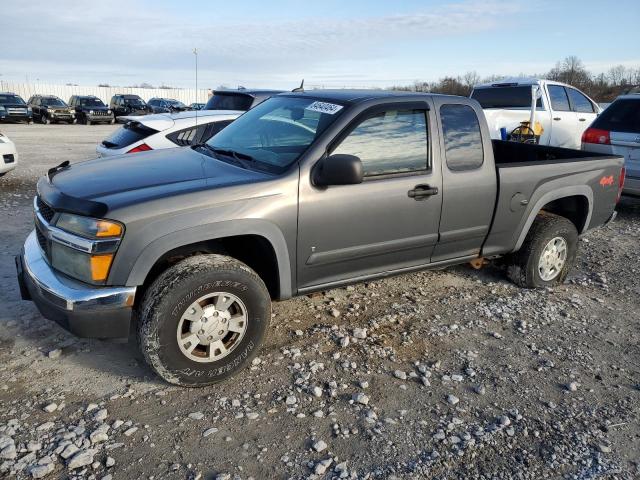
{"x": 45, "y": 210}
{"x": 100, "y": 112}
{"x": 42, "y": 241}
{"x": 16, "y": 111}
{"x": 8, "y": 158}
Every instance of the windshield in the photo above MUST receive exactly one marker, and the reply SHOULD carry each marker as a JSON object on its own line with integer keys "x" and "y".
{"x": 505, "y": 97}
{"x": 53, "y": 102}
{"x": 229, "y": 101}
{"x": 133, "y": 101}
{"x": 11, "y": 100}
{"x": 276, "y": 132}
{"x": 91, "y": 102}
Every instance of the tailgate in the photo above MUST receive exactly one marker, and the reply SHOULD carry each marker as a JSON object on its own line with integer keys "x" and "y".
{"x": 627, "y": 145}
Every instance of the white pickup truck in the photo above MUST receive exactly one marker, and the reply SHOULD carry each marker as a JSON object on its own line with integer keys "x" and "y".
{"x": 563, "y": 111}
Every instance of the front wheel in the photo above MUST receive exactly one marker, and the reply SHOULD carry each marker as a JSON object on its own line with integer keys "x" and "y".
{"x": 547, "y": 254}
{"x": 203, "y": 320}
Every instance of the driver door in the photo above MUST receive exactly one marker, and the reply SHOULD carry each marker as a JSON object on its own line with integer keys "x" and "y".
{"x": 347, "y": 232}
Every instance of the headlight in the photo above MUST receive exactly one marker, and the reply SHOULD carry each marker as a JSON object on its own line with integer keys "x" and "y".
{"x": 90, "y": 267}
{"x": 29, "y": 110}
{"x": 108, "y": 111}
{"x": 90, "y": 112}
{"x": 89, "y": 227}
{"x": 2, "y": 109}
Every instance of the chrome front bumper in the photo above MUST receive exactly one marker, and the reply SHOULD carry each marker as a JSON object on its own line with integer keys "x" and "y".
{"x": 87, "y": 311}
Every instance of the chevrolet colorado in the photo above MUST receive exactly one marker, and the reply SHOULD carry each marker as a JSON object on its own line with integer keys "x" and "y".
{"x": 305, "y": 192}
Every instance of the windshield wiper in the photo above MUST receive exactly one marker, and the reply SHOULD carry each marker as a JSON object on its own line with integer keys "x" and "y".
{"x": 235, "y": 156}
{"x": 232, "y": 153}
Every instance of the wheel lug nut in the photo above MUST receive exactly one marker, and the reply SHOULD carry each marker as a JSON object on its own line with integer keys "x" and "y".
{"x": 221, "y": 332}
{"x": 201, "y": 332}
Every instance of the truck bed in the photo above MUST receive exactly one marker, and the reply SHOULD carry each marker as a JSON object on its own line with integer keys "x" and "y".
{"x": 508, "y": 153}
{"x": 532, "y": 177}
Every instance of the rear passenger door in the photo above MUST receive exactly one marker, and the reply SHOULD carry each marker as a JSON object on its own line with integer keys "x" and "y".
{"x": 469, "y": 180}
{"x": 564, "y": 128}
{"x": 585, "y": 112}
{"x": 351, "y": 231}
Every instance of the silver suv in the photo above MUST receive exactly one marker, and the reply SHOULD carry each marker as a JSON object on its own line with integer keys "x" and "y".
{"x": 617, "y": 131}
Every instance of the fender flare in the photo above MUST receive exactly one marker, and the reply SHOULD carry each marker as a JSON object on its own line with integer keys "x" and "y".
{"x": 202, "y": 233}
{"x": 574, "y": 191}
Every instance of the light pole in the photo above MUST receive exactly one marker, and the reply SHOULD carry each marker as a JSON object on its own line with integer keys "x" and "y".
{"x": 195, "y": 52}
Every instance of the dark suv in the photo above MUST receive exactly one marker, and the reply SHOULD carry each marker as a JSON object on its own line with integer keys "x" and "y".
{"x": 125, "y": 104}
{"x": 90, "y": 109}
{"x": 166, "y": 105}
{"x": 13, "y": 108}
{"x": 51, "y": 109}
{"x": 241, "y": 99}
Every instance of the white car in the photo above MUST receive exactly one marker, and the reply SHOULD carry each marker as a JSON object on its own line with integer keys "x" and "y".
{"x": 9, "y": 155}
{"x": 564, "y": 112}
{"x": 165, "y": 130}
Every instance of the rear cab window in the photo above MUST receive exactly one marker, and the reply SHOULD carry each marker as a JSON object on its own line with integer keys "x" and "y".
{"x": 462, "y": 137}
{"x": 511, "y": 97}
{"x": 623, "y": 116}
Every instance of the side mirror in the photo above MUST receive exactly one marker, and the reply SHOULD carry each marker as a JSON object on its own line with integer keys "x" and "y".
{"x": 338, "y": 169}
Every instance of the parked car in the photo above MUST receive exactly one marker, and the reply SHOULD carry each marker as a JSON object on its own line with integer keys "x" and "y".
{"x": 14, "y": 109}
{"x": 51, "y": 109}
{"x": 9, "y": 155}
{"x": 196, "y": 106}
{"x": 166, "y": 105}
{"x": 90, "y": 109}
{"x": 125, "y": 104}
{"x": 617, "y": 131}
{"x": 305, "y": 192}
{"x": 155, "y": 132}
{"x": 564, "y": 112}
{"x": 242, "y": 99}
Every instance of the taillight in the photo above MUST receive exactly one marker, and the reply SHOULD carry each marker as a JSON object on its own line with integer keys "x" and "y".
{"x": 143, "y": 147}
{"x": 623, "y": 173}
{"x": 595, "y": 135}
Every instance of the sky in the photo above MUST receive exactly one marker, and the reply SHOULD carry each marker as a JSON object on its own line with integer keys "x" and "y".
{"x": 329, "y": 43}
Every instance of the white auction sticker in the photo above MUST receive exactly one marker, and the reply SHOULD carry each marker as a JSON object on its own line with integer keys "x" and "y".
{"x": 323, "y": 107}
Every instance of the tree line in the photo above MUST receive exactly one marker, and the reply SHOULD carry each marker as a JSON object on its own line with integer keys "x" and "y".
{"x": 604, "y": 87}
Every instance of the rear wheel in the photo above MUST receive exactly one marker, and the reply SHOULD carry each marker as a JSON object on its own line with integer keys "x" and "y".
{"x": 547, "y": 254}
{"x": 203, "y": 320}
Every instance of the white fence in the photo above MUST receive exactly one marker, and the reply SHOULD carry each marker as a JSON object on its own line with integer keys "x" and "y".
{"x": 26, "y": 90}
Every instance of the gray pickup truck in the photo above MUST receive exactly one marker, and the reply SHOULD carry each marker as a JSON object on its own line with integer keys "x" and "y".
{"x": 307, "y": 191}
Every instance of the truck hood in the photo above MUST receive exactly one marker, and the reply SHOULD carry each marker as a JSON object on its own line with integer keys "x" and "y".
{"x": 96, "y": 186}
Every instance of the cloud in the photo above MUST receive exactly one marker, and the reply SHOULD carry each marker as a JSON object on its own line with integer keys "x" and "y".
{"x": 119, "y": 40}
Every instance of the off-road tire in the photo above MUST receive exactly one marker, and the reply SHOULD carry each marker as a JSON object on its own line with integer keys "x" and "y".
{"x": 166, "y": 300}
{"x": 523, "y": 265}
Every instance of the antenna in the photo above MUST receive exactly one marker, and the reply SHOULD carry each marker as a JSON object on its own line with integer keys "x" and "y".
{"x": 300, "y": 88}
{"x": 195, "y": 52}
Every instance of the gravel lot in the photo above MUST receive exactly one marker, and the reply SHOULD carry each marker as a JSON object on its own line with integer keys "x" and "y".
{"x": 447, "y": 374}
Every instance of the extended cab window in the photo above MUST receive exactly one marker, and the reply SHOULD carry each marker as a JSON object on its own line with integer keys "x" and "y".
{"x": 462, "y": 137}
{"x": 389, "y": 142}
{"x": 558, "y": 97}
{"x": 579, "y": 102}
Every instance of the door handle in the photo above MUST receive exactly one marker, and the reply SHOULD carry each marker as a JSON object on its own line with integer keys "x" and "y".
{"x": 557, "y": 119}
{"x": 582, "y": 119}
{"x": 421, "y": 191}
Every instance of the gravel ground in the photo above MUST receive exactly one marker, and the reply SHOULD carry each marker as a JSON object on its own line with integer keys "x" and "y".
{"x": 447, "y": 374}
